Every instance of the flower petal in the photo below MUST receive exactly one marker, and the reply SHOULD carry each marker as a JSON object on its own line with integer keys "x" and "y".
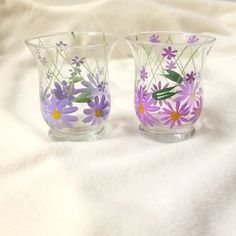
{"x": 88, "y": 119}
{"x": 88, "y": 111}
{"x": 68, "y": 110}
{"x": 177, "y": 105}
{"x": 69, "y": 118}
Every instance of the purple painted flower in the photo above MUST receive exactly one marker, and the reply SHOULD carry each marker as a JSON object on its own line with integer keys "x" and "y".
{"x": 37, "y": 53}
{"x": 156, "y": 88}
{"x": 77, "y": 61}
{"x": 144, "y": 107}
{"x": 65, "y": 91}
{"x": 143, "y": 74}
{"x": 56, "y": 112}
{"x": 102, "y": 86}
{"x": 154, "y": 38}
{"x": 94, "y": 86}
{"x": 192, "y": 39}
{"x": 61, "y": 44}
{"x": 173, "y": 116}
{"x": 196, "y": 110}
{"x": 49, "y": 75}
{"x": 169, "y": 53}
{"x": 101, "y": 70}
{"x": 189, "y": 93}
{"x": 190, "y": 76}
{"x": 98, "y": 111}
{"x": 170, "y": 65}
{"x": 43, "y": 60}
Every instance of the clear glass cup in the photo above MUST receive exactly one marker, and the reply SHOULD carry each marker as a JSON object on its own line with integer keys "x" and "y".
{"x": 73, "y": 82}
{"x": 168, "y": 82}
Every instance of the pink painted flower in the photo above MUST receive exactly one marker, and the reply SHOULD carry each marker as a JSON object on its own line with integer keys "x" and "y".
{"x": 173, "y": 116}
{"x": 189, "y": 93}
{"x": 144, "y": 106}
{"x": 170, "y": 65}
{"x": 143, "y": 74}
{"x": 196, "y": 111}
{"x": 155, "y": 38}
{"x": 169, "y": 53}
{"x": 192, "y": 39}
{"x": 190, "y": 76}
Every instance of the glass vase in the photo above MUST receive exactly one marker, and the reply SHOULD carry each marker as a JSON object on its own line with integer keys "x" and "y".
{"x": 73, "y": 83}
{"x": 168, "y": 92}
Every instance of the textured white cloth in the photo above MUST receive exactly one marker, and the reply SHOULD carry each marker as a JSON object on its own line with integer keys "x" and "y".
{"x": 124, "y": 184}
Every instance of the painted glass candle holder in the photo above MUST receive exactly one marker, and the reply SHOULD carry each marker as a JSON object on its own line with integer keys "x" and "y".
{"x": 168, "y": 82}
{"x": 73, "y": 77}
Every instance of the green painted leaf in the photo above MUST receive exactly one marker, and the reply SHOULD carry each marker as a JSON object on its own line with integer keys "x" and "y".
{"x": 174, "y": 76}
{"x": 77, "y": 79}
{"x": 164, "y": 90}
{"x": 83, "y": 98}
{"x": 164, "y": 93}
{"x": 163, "y": 96}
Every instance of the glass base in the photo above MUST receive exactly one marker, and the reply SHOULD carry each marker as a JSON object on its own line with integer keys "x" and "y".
{"x": 76, "y": 134}
{"x": 167, "y": 135}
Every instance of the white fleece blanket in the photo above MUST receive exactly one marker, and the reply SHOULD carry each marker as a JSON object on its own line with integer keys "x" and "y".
{"x": 124, "y": 184}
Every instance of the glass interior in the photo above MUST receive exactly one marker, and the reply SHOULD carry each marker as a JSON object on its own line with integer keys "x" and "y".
{"x": 170, "y": 38}
{"x": 72, "y": 39}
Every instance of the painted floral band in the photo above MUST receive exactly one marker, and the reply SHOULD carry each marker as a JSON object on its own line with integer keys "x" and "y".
{"x": 78, "y": 95}
{"x": 168, "y": 88}
{"x": 167, "y": 92}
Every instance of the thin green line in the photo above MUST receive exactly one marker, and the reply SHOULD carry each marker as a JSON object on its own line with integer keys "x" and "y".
{"x": 191, "y": 57}
{"x": 53, "y": 64}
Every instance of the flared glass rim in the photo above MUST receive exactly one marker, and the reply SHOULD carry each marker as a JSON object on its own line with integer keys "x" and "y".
{"x": 208, "y": 38}
{"x": 89, "y": 33}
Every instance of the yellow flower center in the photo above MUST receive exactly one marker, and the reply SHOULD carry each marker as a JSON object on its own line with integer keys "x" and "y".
{"x": 56, "y": 114}
{"x": 98, "y": 113}
{"x": 175, "y": 115}
{"x": 193, "y": 96}
{"x": 141, "y": 108}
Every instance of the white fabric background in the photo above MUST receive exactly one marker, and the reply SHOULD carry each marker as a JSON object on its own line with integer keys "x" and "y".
{"x": 123, "y": 184}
